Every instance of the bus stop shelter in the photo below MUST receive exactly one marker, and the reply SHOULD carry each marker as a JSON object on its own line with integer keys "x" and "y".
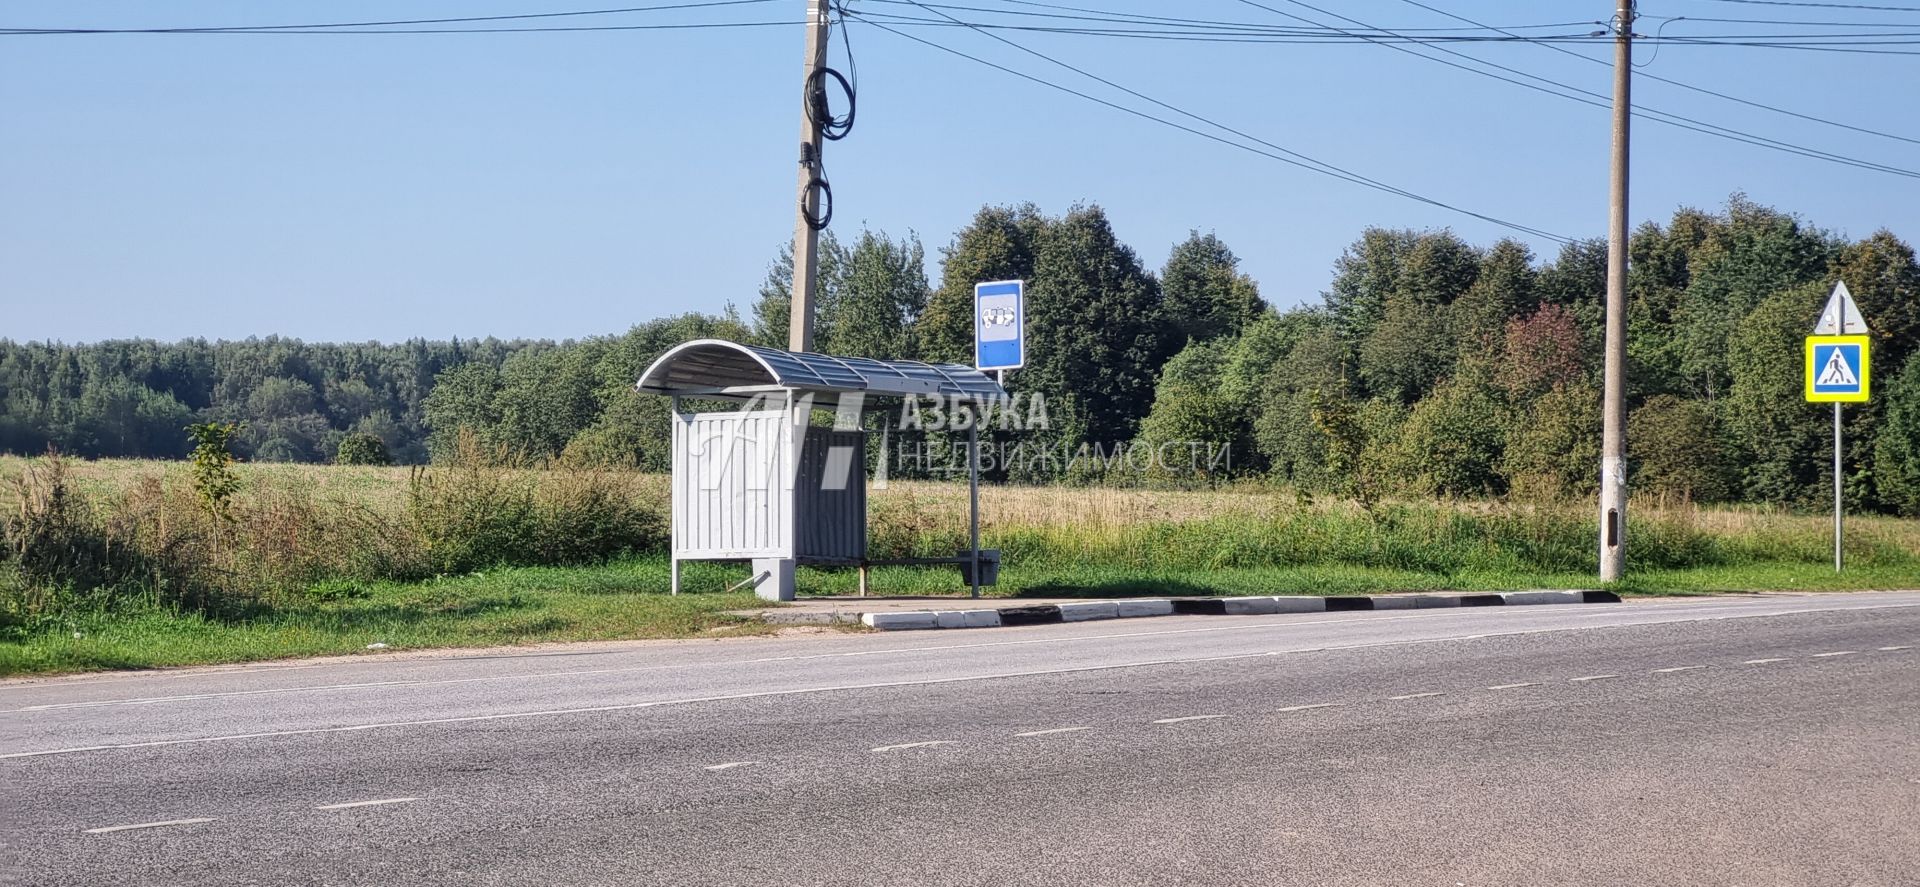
{"x": 755, "y": 480}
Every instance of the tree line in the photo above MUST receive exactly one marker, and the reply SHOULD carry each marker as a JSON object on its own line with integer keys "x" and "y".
{"x": 1430, "y": 366}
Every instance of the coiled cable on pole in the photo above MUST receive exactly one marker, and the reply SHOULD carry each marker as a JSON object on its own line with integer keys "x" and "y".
{"x": 816, "y": 204}
{"x": 818, "y": 111}
{"x": 820, "y": 218}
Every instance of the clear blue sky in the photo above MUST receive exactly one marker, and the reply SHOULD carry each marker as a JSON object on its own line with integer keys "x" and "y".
{"x": 562, "y": 185}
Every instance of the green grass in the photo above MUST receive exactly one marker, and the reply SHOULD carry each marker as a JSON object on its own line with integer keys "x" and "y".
{"x": 1337, "y": 579}
{"x": 1057, "y": 542}
{"x": 626, "y": 600}
{"x": 509, "y": 606}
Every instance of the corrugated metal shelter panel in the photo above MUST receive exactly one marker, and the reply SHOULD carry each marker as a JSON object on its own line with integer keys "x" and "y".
{"x": 730, "y": 496}
{"x": 830, "y": 495}
{"x": 705, "y": 365}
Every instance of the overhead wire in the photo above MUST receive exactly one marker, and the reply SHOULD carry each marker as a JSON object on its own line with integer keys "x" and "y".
{"x": 1589, "y": 97}
{"x": 696, "y": 4}
{"x": 1273, "y": 152}
{"x": 1821, "y": 5}
{"x": 1688, "y": 86}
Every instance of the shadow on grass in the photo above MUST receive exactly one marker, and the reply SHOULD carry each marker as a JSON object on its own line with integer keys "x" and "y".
{"x": 1119, "y": 588}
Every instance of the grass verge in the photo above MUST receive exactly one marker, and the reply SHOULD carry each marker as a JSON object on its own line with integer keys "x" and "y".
{"x": 626, "y": 600}
{"x": 499, "y": 607}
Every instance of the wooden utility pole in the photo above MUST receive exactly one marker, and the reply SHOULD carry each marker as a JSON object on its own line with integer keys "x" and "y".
{"x": 1613, "y": 409}
{"x": 806, "y": 237}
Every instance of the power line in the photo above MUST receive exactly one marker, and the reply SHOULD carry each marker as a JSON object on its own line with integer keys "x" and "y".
{"x": 1857, "y": 47}
{"x": 1776, "y": 21}
{"x": 1590, "y": 97}
{"x": 690, "y": 26}
{"x": 1256, "y": 35}
{"x": 1282, "y": 35}
{"x": 1684, "y": 85}
{"x": 1284, "y": 155}
{"x": 1823, "y": 5}
{"x": 699, "y": 4}
{"x": 1116, "y": 17}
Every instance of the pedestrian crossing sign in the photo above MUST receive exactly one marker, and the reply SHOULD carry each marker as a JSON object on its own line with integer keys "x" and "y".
{"x": 1836, "y": 369}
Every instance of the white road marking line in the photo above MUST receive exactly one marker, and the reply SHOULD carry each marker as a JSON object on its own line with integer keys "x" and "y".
{"x": 1591, "y": 677}
{"x": 731, "y": 764}
{"x": 352, "y": 804}
{"x": 504, "y": 716}
{"x": 1835, "y": 653}
{"x": 906, "y": 745}
{"x": 1414, "y": 696}
{"x": 1685, "y": 612}
{"x": 137, "y": 825}
{"x": 1762, "y": 661}
{"x": 1900, "y": 647}
{"x": 1677, "y": 668}
{"x": 1307, "y": 707}
{"x": 1513, "y": 686}
{"x": 1188, "y": 718}
{"x": 1051, "y": 732}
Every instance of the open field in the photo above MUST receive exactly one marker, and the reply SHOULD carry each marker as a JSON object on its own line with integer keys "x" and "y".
{"x": 327, "y": 559}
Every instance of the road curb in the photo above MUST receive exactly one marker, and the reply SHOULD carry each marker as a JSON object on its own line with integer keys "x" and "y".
{"x": 1256, "y": 605}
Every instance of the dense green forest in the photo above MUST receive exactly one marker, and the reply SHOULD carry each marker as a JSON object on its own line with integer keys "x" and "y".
{"x": 1430, "y": 366}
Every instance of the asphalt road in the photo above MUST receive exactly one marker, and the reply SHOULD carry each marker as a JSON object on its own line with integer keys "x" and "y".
{"x": 1749, "y": 741}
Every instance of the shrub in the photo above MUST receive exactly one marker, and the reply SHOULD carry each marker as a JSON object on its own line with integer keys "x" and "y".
{"x": 1675, "y": 451}
{"x": 213, "y": 476}
{"x": 55, "y": 543}
{"x": 362, "y": 448}
{"x": 474, "y": 512}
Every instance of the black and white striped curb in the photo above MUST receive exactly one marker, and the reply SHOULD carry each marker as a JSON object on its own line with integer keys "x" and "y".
{"x": 1046, "y": 614}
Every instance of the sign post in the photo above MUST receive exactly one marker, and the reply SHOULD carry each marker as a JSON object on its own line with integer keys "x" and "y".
{"x": 999, "y": 344}
{"x": 1838, "y": 356}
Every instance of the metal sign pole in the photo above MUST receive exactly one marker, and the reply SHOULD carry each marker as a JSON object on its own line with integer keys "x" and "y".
{"x": 1839, "y": 515}
{"x": 973, "y": 496}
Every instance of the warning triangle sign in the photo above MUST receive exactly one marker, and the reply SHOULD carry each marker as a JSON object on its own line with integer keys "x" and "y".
{"x": 1837, "y": 372}
{"x": 1841, "y": 316}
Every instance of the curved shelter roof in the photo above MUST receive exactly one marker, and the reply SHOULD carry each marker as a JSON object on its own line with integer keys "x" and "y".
{"x": 708, "y": 367}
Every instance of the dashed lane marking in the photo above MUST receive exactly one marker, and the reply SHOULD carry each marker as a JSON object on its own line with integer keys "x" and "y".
{"x": 730, "y": 765}
{"x": 1513, "y": 686}
{"x": 1898, "y": 647}
{"x": 1414, "y": 696}
{"x": 1307, "y": 707}
{"x": 1762, "y": 661}
{"x": 1677, "y": 668}
{"x": 348, "y": 805}
{"x": 1188, "y": 718}
{"x": 1592, "y": 677}
{"x": 140, "y": 825}
{"x": 1051, "y": 732}
{"x": 1835, "y": 653}
{"x": 907, "y": 745}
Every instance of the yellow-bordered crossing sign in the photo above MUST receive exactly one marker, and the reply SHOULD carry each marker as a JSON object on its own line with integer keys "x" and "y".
{"x": 1837, "y": 369}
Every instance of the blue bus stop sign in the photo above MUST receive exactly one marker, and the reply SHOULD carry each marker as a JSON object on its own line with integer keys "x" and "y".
{"x": 999, "y": 325}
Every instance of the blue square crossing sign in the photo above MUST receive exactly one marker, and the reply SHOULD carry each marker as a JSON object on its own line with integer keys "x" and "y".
{"x": 1837, "y": 369}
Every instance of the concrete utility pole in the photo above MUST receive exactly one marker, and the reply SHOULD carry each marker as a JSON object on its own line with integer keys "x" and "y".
{"x": 806, "y": 238}
{"x": 1613, "y": 409}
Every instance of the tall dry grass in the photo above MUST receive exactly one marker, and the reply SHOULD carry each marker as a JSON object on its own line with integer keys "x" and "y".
{"x": 104, "y": 536}
{"x": 115, "y": 532}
